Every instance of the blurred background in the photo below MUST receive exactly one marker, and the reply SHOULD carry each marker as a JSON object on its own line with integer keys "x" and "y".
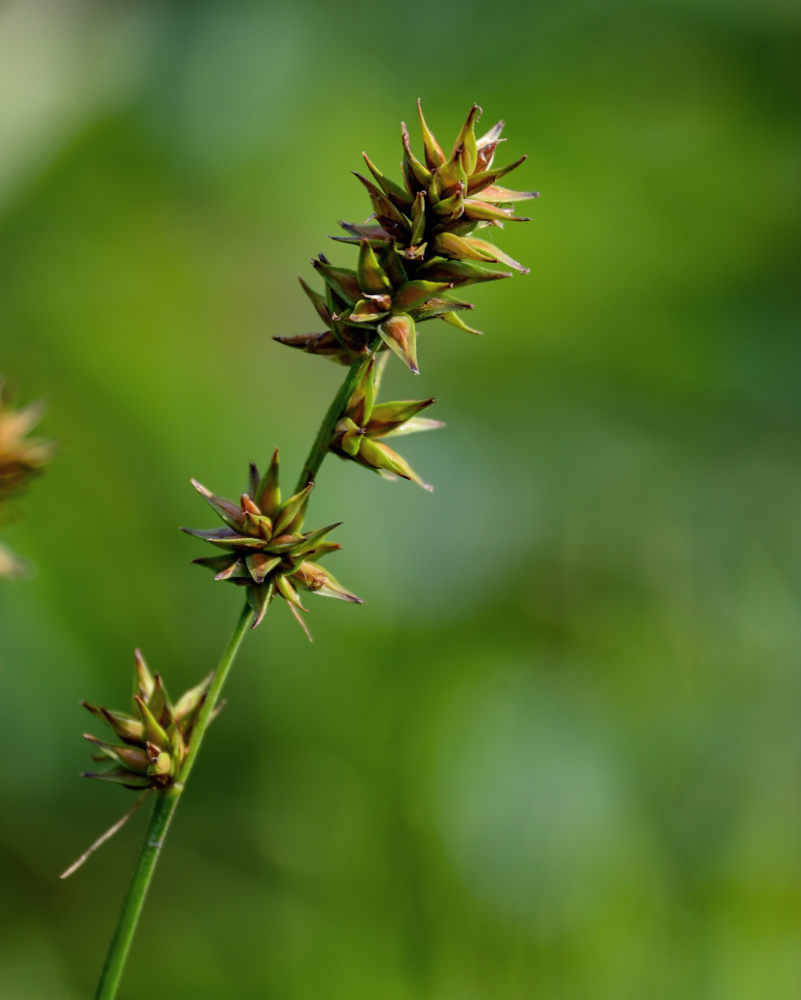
{"x": 557, "y": 753}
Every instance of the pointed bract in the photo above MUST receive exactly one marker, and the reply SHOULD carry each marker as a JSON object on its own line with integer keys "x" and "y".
{"x": 289, "y": 517}
{"x": 319, "y": 581}
{"x": 465, "y": 146}
{"x": 395, "y": 192}
{"x": 342, "y": 280}
{"x": 259, "y": 599}
{"x": 415, "y": 293}
{"x": 387, "y": 418}
{"x": 268, "y": 495}
{"x": 371, "y": 276}
{"x": 435, "y": 157}
{"x": 454, "y": 319}
{"x": 399, "y": 334}
{"x": 317, "y": 301}
{"x": 460, "y": 272}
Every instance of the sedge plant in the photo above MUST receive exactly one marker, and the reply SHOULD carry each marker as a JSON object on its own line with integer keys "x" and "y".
{"x": 419, "y": 244}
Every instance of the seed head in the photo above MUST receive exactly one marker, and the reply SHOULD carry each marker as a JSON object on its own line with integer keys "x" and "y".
{"x": 264, "y": 548}
{"x": 152, "y": 741}
{"x": 417, "y": 245}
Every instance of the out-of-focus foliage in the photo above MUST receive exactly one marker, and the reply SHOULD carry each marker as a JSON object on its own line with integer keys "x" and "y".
{"x": 557, "y": 752}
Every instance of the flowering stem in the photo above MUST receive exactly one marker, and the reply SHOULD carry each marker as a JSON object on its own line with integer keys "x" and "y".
{"x": 167, "y": 801}
{"x": 160, "y": 818}
{"x": 425, "y": 225}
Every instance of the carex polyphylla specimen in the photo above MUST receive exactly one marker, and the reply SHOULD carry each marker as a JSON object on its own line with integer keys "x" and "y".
{"x": 418, "y": 245}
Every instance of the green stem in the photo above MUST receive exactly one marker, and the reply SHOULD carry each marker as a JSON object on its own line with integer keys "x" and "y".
{"x": 320, "y": 447}
{"x": 163, "y": 810}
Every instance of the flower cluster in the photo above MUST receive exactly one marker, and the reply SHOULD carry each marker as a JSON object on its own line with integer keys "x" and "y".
{"x": 264, "y": 548}
{"x": 360, "y": 431}
{"x": 154, "y": 740}
{"x": 417, "y": 245}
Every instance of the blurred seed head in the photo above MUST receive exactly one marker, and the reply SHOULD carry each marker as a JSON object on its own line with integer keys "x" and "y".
{"x": 21, "y": 458}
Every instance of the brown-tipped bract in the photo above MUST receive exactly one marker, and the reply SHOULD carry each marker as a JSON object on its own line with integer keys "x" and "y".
{"x": 264, "y": 548}
{"x": 150, "y": 744}
{"x": 417, "y": 245}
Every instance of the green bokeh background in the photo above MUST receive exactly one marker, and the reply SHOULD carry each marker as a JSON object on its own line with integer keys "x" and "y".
{"x": 557, "y": 753}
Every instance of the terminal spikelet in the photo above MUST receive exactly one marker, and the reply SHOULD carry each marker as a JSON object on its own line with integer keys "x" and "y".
{"x": 418, "y": 245}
